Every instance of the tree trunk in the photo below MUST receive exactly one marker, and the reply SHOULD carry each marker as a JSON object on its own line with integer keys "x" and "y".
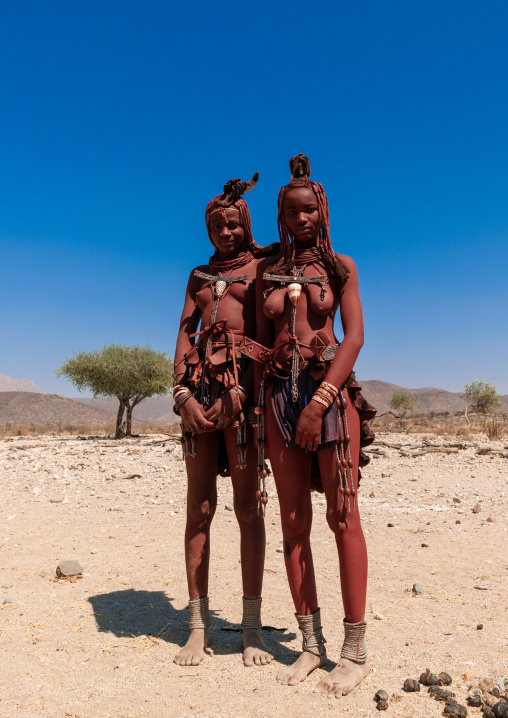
{"x": 466, "y": 417}
{"x": 130, "y": 407}
{"x": 119, "y": 419}
{"x": 128, "y": 431}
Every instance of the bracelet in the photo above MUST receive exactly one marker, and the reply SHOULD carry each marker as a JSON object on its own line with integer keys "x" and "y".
{"x": 242, "y": 394}
{"x": 329, "y": 387}
{"x": 320, "y": 400}
{"x": 324, "y": 396}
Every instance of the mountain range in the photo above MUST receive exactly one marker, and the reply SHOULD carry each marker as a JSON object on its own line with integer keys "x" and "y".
{"x": 25, "y": 403}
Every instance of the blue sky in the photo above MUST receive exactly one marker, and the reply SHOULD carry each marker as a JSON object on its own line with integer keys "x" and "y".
{"x": 120, "y": 121}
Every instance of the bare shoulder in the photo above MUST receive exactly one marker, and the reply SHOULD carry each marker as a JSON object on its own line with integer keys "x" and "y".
{"x": 349, "y": 262}
{"x": 266, "y": 262}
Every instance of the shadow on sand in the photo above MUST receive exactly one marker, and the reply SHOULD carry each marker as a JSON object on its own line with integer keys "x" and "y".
{"x": 151, "y": 613}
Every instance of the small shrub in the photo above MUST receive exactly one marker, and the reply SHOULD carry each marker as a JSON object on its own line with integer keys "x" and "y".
{"x": 494, "y": 428}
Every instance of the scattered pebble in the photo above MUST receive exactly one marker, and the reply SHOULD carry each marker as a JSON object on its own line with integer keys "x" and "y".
{"x": 455, "y": 709}
{"x": 477, "y": 508}
{"x": 381, "y": 695}
{"x": 8, "y": 600}
{"x": 379, "y": 617}
{"x": 445, "y": 679}
{"x": 228, "y": 507}
{"x": 479, "y": 626}
{"x": 390, "y": 526}
{"x": 474, "y": 701}
{"x": 68, "y": 568}
{"x": 501, "y": 683}
{"x": 488, "y": 713}
{"x": 382, "y": 705}
{"x": 500, "y": 710}
{"x": 411, "y": 686}
{"x": 428, "y": 678}
{"x": 418, "y": 589}
{"x": 491, "y": 520}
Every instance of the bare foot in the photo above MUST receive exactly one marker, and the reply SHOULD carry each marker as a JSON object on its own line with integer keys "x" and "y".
{"x": 298, "y": 672}
{"x": 255, "y": 650}
{"x": 194, "y": 650}
{"x": 345, "y": 676}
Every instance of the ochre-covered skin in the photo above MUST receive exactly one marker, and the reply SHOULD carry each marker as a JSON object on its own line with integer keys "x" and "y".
{"x": 237, "y": 308}
{"x": 292, "y": 466}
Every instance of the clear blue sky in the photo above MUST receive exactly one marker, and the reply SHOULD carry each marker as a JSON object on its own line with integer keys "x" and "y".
{"x": 120, "y": 120}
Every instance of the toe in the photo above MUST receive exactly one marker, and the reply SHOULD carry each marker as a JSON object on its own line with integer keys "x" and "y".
{"x": 247, "y": 660}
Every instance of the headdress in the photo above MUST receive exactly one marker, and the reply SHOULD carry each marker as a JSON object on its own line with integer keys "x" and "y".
{"x": 231, "y": 198}
{"x": 299, "y": 166}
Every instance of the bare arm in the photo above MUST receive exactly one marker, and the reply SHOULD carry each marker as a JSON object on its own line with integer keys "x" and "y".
{"x": 264, "y": 326}
{"x": 191, "y": 412}
{"x": 352, "y": 323}
{"x": 308, "y": 429}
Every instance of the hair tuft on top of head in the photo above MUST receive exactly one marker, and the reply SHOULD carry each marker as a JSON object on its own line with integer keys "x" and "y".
{"x": 284, "y": 264}
{"x": 299, "y": 166}
{"x": 234, "y": 188}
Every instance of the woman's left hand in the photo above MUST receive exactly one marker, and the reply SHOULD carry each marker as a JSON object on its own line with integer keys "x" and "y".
{"x": 308, "y": 429}
{"x": 225, "y": 410}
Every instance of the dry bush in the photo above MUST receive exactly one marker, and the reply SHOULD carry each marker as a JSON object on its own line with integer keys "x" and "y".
{"x": 494, "y": 428}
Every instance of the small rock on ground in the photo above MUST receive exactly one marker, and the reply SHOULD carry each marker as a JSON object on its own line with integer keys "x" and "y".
{"x": 68, "y": 568}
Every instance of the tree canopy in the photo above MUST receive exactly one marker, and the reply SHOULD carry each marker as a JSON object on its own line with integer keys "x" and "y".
{"x": 131, "y": 373}
{"x": 402, "y": 402}
{"x": 481, "y": 397}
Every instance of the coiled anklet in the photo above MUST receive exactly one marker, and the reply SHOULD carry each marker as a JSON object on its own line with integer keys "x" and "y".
{"x": 251, "y": 613}
{"x": 353, "y": 648}
{"x": 312, "y": 632}
{"x": 199, "y": 613}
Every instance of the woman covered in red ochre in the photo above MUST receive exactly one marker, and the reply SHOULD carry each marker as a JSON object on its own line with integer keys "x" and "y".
{"x": 312, "y": 418}
{"x": 213, "y": 389}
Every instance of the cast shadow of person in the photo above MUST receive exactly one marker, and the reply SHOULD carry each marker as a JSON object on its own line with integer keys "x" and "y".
{"x": 151, "y": 613}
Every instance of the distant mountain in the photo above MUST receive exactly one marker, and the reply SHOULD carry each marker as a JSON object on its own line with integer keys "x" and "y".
{"x": 40, "y": 409}
{"x": 22, "y": 407}
{"x": 9, "y": 384}
{"x": 428, "y": 400}
{"x": 154, "y": 410}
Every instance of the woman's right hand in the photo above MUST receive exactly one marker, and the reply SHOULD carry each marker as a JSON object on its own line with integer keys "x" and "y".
{"x": 194, "y": 418}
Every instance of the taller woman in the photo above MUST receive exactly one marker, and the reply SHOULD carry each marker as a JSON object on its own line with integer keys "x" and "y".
{"x": 314, "y": 417}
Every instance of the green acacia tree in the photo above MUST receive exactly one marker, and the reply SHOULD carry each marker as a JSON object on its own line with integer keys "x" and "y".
{"x": 402, "y": 402}
{"x": 129, "y": 373}
{"x": 481, "y": 397}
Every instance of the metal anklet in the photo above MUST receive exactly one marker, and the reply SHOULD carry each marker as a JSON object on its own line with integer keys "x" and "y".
{"x": 312, "y": 632}
{"x": 199, "y": 613}
{"x": 251, "y": 613}
{"x": 353, "y": 647}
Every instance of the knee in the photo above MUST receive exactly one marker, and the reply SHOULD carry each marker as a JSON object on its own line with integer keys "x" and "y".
{"x": 245, "y": 513}
{"x": 295, "y": 528}
{"x": 344, "y": 523}
{"x": 200, "y": 512}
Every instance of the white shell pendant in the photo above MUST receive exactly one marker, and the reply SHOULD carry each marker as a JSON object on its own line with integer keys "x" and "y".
{"x": 220, "y": 286}
{"x": 294, "y": 291}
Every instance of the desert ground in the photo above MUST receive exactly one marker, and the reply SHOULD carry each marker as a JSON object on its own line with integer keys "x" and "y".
{"x": 102, "y": 645}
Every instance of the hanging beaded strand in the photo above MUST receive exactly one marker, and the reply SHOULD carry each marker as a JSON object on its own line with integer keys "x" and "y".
{"x": 345, "y": 465}
{"x": 261, "y": 493}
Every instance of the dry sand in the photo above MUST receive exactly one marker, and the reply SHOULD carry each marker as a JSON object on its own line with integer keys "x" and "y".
{"x": 103, "y": 645}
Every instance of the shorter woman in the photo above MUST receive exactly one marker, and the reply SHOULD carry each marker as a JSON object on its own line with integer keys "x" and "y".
{"x": 314, "y": 417}
{"x": 212, "y": 388}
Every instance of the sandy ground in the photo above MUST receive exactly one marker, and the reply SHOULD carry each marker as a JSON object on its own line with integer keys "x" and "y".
{"x": 103, "y": 645}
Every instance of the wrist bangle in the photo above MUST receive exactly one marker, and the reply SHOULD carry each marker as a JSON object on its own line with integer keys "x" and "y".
{"x": 320, "y": 400}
